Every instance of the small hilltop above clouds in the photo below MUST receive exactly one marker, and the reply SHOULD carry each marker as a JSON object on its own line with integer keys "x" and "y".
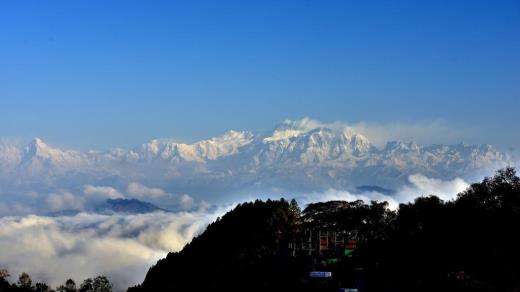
{"x": 301, "y": 155}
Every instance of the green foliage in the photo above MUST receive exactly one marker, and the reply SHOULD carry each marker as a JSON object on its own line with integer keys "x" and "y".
{"x": 247, "y": 245}
{"x": 294, "y": 208}
{"x": 98, "y": 284}
{"x": 435, "y": 242}
{"x": 69, "y": 286}
{"x": 42, "y": 287}
{"x": 24, "y": 284}
{"x": 4, "y": 274}
{"x": 360, "y": 220}
{"x": 469, "y": 244}
{"x": 101, "y": 284}
{"x": 87, "y": 285}
{"x": 4, "y": 284}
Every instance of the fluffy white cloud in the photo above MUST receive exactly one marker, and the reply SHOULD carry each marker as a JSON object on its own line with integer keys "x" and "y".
{"x": 186, "y": 201}
{"x": 121, "y": 247}
{"x": 101, "y": 193}
{"x": 141, "y": 191}
{"x": 419, "y": 185}
{"x": 64, "y": 200}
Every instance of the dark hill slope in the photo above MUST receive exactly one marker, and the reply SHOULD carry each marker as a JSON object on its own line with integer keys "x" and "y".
{"x": 244, "y": 250}
{"x": 129, "y": 206}
{"x": 469, "y": 244}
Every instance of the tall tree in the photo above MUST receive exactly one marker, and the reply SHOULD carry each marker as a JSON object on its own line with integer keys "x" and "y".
{"x": 101, "y": 284}
{"x": 41, "y": 287}
{"x": 25, "y": 282}
{"x": 4, "y": 284}
{"x": 86, "y": 286}
{"x": 69, "y": 286}
{"x": 294, "y": 208}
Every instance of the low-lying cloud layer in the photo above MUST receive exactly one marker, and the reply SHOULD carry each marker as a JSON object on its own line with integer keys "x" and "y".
{"x": 123, "y": 247}
{"x": 88, "y": 196}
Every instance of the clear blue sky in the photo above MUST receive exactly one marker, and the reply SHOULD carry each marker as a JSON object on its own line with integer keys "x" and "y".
{"x": 99, "y": 74}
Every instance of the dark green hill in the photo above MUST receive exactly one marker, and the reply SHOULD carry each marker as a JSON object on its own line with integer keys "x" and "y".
{"x": 470, "y": 244}
{"x": 247, "y": 247}
{"x": 128, "y": 206}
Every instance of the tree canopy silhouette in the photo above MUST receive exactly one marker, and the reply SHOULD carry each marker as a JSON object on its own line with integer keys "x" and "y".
{"x": 468, "y": 244}
{"x": 24, "y": 284}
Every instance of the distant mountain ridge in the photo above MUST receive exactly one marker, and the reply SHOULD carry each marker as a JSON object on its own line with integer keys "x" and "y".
{"x": 127, "y": 206}
{"x": 294, "y": 153}
{"x": 115, "y": 206}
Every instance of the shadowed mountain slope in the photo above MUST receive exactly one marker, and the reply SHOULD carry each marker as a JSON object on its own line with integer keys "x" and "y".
{"x": 469, "y": 244}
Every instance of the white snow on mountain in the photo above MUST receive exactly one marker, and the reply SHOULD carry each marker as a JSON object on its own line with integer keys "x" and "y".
{"x": 302, "y": 155}
{"x": 38, "y": 157}
{"x": 211, "y": 149}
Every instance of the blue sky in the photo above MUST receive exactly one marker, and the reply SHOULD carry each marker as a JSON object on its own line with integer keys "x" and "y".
{"x": 100, "y": 74}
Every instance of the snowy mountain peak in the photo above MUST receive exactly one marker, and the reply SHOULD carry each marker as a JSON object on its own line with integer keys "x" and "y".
{"x": 305, "y": 152}
{"x": 210, "y": 149}
{"x": 310, "y": 142}
{"x": 37, "y": 147}
{"x": 39, "y": 157}
{"x": 397, "y": 146}
{"x": 38, "y": 141}
{"x": 290, "y": 129}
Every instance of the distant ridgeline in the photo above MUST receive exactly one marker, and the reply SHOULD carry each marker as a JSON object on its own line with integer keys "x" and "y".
{"x": 114, "y": 206}
{"x": 470, "y": 244}
{"x": 296, "y": 156}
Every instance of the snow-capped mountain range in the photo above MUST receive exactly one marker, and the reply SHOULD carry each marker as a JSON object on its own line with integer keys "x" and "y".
{"x": 293, "y": 156}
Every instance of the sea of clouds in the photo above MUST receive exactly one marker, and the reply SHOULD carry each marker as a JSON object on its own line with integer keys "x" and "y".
{"x": 123, "y": 246}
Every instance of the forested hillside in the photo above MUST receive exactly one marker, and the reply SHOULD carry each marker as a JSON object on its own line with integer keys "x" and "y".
{"x": 469, "y": 244}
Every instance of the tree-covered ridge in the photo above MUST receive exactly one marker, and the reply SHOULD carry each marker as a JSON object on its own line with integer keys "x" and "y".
{"x": 243, "y": 246}
{"x": 469, "y": 244}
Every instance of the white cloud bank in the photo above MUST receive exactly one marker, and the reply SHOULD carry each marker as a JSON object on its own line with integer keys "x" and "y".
{"x": 419, "y": 185}
{"x": 138, "y": 190}
{"x": 102, "y": 192}
{"x": 122, "y": 247}
{"x": 64, "y": 200}
{"x": 87, "y": 197}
